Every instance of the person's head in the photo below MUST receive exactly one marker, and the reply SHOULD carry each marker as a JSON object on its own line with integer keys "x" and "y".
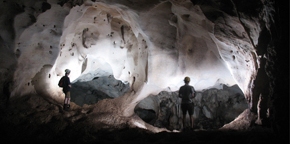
{"x": 67, "y": 72}
{"x": 186, "y": 80}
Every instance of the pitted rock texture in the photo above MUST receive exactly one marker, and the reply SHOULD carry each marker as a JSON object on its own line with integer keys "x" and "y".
{"x": 151, "y": 48}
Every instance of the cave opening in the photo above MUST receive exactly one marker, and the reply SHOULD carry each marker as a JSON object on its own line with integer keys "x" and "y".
{"x": 213, "y": 108}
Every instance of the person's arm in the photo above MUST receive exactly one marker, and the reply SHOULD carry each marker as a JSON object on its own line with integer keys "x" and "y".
{"x": 179, "y": 94}
{"x": 193, "y": 92}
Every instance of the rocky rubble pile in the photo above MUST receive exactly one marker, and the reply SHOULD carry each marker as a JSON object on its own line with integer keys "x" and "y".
{"x": 212, "y": 107}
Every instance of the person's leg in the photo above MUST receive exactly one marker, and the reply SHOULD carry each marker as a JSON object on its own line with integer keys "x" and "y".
{"x": 183, "y": 120}
{"x": 190, "y": 111}
{"x": 64, "y": 101}
{"x": 191, "y": 121}
{"x": 184, "y": 111}
{"x": 68, "y": 99}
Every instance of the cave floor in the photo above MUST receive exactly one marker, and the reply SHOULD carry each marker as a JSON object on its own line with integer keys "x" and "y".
{"x": 35, "y": 120}
{"x": 76, "y": 134}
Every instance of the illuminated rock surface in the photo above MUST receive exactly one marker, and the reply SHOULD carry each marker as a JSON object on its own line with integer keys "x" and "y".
{"x": 121, "y": 52}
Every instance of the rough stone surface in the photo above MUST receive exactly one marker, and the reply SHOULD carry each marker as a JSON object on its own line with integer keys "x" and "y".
{"x": 97, "y": 89}
{"x": 149, "y": 45}
{"x": 212, "y": 108}
{"x": 32, "y": 119}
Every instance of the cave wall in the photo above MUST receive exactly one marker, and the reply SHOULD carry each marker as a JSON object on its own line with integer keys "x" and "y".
{"x": 224, "y": 42}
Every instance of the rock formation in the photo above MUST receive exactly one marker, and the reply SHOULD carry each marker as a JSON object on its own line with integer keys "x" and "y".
{"x": 148, "y": 47}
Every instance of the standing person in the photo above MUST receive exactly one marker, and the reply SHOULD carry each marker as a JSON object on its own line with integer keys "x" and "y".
{"x": 66, "y": 89}
{"x": 187, "y": 93}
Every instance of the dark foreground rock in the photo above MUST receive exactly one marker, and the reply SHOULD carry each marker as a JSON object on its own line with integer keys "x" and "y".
{"x": 27, "y": 121}
{"x": 82, "y": 134}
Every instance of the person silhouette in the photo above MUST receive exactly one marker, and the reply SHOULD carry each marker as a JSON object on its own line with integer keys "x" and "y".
{"x": 187, "y": 93}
